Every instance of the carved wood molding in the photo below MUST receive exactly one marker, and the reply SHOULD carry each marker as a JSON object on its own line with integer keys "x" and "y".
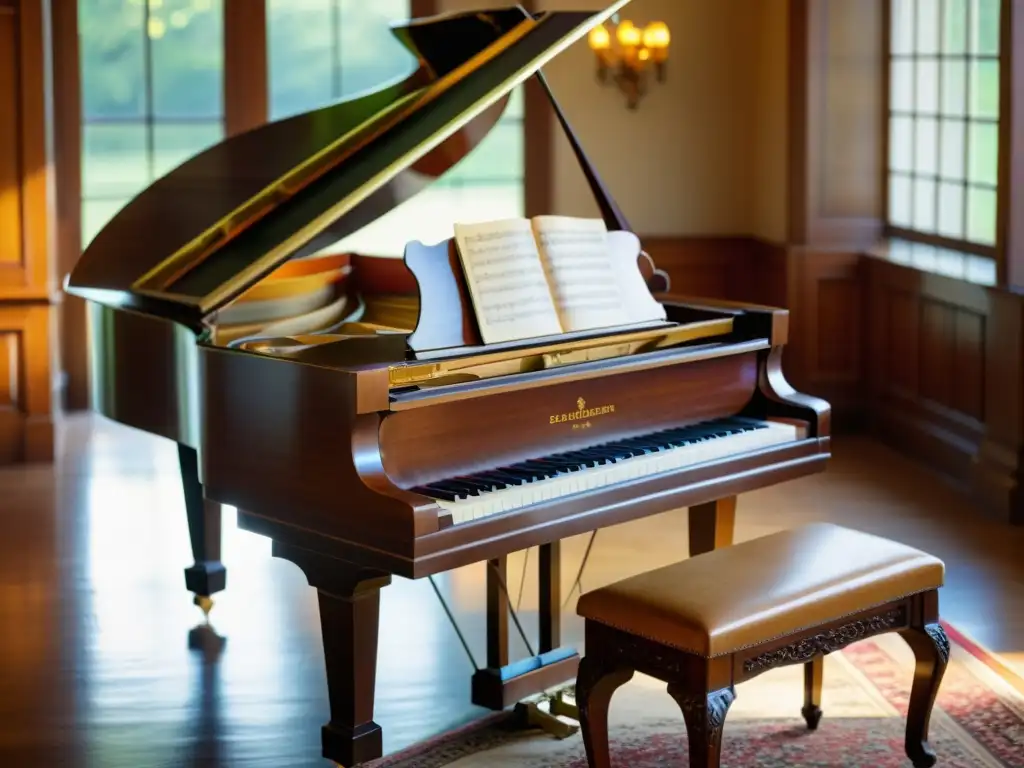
{"x": 828, "y": 641}
{"x": 704, "y": 715}
{"x": 938, "y": 636}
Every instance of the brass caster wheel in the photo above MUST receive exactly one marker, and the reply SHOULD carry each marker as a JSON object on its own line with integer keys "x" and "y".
{"x": 205, "y": 603}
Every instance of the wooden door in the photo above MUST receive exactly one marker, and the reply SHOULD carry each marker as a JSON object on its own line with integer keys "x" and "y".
{"x": 28, "y": 293}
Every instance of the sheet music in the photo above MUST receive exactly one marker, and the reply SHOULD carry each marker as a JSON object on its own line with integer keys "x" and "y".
{"x": 580, "y": 268}
{"x": 506, "y": 280}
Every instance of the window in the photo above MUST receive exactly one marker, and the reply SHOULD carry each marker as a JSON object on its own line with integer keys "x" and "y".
{"x": 152, "y": 75}
{"x": 944, "y": 120}
{"x": 321, "y": 51}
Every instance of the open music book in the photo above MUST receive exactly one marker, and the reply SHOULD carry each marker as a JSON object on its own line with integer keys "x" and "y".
{"x": 551, "y": 275}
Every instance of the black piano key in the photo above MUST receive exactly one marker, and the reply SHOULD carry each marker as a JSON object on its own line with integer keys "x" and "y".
{"x": 545, "y": 467}
{"x": 435, "y": 493}
{"x": 479, "y": 484}
{"x": 504, "y": 477}
{"x": 455, "y": 486}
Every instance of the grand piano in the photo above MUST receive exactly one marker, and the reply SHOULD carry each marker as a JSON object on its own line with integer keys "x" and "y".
{"x": 146, "y": 317}
{"x": 366, "y": 450}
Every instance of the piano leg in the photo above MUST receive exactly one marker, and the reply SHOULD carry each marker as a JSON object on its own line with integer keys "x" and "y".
{"x": 349, "y": 598}
{"x": 712, "y": 525}
{"x": 207, "y": 575}
{"x": 502, "y": 684}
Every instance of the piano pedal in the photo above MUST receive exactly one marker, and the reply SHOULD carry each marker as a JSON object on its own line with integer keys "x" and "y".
{"x": 534, "y": 714}
{"x": 205, "y": 603}
{"x": 563, "y": 702}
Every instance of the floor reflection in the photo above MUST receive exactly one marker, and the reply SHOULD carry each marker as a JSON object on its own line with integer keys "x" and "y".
{"x": 101, "y": 663}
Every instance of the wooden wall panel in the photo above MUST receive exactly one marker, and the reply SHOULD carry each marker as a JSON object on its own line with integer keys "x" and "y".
{"x": 836, "y": 81}
{"x": 10, "y": 163}
{"x": 26, "y": 234}
{"x": 67, "y": 161}
{"x": 968, "y": 374}
{"x": 927, "y": 377}
{"x": 715, "y": 267}
{"x": 825, "y": 300}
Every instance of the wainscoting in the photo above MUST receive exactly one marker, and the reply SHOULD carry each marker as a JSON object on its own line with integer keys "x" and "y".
{"x": 931, "y": 364}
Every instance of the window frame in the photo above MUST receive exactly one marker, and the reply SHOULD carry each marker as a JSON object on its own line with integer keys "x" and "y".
{"x": 149, "y": 121}
{"x": 891, "y": 230}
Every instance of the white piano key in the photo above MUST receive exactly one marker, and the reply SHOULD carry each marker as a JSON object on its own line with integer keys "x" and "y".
{"x": 471, "y": 508}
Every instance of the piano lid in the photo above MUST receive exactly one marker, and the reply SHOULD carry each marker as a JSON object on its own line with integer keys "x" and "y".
{"x": 200, "y": 236}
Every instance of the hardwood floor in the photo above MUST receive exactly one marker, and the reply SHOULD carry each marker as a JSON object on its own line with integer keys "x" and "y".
{"x": 96, "y": 667}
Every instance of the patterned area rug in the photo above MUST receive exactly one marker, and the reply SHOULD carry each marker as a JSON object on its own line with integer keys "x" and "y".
{"x": 977, "y": 723}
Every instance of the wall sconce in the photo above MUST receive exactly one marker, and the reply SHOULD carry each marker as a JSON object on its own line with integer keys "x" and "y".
{"x": 626, "y": 64}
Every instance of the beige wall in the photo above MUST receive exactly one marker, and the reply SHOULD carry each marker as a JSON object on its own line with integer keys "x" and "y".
{"x": 705, "y": 153}
{"x": 768, "y": 215}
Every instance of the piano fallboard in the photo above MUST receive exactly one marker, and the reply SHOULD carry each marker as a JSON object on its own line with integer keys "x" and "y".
{"x": 465, "y": 435}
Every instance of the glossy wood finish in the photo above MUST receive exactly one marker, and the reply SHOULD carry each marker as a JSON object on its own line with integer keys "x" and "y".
{"x": 334, "y": 500}
{"x": 705, "y": 688}
{"x": 644, "y": 401}
{"x": 27, "y": 235}
{"x": 349, "y": 601}
{"x": 206, "y": 576}
{"x": 98, "y": 668}
{"x": 403, "y": 534}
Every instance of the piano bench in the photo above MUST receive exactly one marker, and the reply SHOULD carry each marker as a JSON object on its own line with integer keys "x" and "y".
{"x": 713, "y": 621}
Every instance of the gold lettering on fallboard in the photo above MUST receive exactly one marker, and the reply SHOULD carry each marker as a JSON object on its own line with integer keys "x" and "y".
{"x": 581, "y": 413}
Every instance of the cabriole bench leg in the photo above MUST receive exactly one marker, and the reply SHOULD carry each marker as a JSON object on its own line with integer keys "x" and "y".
{"x": 704, "y": 714}
{"x": 596, "y": 681}
{"x": 931, "y": 649}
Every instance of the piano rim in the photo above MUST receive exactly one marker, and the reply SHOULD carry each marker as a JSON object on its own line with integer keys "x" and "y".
{"x": 455, "y": 546}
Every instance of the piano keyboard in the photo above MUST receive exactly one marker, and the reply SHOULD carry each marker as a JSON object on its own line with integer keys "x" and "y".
{"x": 529, "y": 482}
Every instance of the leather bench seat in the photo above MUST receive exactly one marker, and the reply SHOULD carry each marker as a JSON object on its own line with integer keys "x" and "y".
{"x": 750, "y": 593}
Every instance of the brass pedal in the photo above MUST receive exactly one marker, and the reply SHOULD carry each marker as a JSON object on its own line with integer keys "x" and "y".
{"x": 563, "y": 702}
{"x": 531, "y": 714}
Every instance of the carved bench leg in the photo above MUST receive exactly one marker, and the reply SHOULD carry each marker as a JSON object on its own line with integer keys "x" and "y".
{"x": 704, "y": 714}
{"x": 931, "y": 649}
{"x": 814, "y": 672}
{"x": 596, "y": 681}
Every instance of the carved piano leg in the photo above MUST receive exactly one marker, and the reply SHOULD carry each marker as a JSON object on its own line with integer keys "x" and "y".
{"x": 349, "y": 599}
{"x": 712, "y": 525}
{"x": 502, "y": 684}
{"x": 207, "y": 575}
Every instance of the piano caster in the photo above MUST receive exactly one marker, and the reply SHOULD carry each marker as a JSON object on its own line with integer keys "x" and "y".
{"x": 205, "y": 603}
{"x": 533, "y": 714}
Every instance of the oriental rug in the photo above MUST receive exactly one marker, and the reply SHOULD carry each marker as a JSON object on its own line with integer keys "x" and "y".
{"x": 978, "y": 721}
